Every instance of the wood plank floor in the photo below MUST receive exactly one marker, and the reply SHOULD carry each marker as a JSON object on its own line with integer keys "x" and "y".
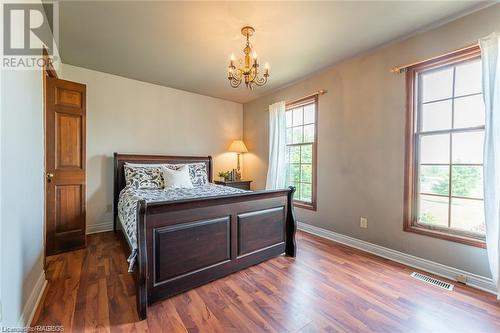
{"x": 327, "y": 288}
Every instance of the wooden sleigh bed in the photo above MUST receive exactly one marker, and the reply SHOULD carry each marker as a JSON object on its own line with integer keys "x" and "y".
{"x": 183, "y": 244}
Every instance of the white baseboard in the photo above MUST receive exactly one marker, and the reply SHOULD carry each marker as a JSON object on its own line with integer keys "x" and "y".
{"x": 100, "y": 227}
{"x": 31, "y": 305}
{"x": 473, "y": 280}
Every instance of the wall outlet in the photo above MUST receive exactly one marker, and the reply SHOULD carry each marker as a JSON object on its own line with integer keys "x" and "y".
{"x": 461, "y": 278}
{"x": 363, "y": 222}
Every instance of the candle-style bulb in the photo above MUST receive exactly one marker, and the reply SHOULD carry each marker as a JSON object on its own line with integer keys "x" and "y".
{"x": 266, "y": 66}
{"x": 232, "y": 57}
{"x": 255, "y": 55}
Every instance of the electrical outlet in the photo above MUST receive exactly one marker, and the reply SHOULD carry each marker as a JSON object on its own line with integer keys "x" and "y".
{"x": 461, "y": 278}
{"x": 363, "y": 222}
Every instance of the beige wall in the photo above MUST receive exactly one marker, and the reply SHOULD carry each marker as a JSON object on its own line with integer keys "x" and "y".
{"x": 130, "y": 116}
{"x": 361, "y": 142}
{"x": 22, "y": 192}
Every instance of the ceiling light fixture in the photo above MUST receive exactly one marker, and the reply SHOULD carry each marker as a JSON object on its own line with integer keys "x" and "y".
{"x": 247, "y": 69}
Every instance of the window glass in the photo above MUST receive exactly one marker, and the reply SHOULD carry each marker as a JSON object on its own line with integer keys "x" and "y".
{"x": 437, "y": 85}
{"x": 469, "y": 111}
{"x": 300, "y": 138}
{"x": 448, "y": 139}
{"x": 436, "y": 116}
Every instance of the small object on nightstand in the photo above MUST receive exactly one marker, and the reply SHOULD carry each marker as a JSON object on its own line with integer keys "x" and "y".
{"x": 241, "y": 184}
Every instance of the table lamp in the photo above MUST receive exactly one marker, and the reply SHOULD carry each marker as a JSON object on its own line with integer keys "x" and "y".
{"x": 238, "y": 147}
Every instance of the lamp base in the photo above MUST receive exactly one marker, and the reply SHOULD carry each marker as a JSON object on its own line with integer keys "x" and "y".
{"x": 238, "y": 173}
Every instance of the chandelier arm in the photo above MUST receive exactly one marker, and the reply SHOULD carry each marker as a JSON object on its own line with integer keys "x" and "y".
{"x": 260, "y": 81}
{"x": 234, "y": 84}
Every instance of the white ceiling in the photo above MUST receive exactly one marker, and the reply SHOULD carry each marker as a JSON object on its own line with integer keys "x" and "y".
{"x": 186, "y": 45}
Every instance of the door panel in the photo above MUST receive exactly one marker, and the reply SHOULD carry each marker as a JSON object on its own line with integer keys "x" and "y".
{"x": 69, "y": 208}
{"x": 68, "y": 140}
{"x": 68, "y": 97}
{"x": 65, "y": 111}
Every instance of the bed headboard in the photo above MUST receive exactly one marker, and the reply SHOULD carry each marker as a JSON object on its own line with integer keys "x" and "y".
{"x": 121, "y": 159}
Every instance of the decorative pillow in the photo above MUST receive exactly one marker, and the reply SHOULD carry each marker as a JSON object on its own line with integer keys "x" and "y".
{"x": 142, "y": 177}
{"x": 177, "y": 178}
{"x": 197, "y": 172}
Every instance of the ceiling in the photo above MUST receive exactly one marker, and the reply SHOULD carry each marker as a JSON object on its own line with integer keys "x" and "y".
{"x": 186, "y": 45}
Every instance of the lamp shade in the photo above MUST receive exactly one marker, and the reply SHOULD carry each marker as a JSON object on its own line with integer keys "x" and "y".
{"x": 238, "y": 146}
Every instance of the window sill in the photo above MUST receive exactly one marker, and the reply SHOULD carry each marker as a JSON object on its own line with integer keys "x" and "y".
{"x": 305, "y": 205}
{"x": 446, "y": 236}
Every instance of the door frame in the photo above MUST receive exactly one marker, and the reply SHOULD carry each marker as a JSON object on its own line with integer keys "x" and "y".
{"x": 48, "y": 71}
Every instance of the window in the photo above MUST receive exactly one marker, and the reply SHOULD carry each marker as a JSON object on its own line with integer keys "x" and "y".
{"x": 444, "y": 162}
{"x": 301, "y": 137}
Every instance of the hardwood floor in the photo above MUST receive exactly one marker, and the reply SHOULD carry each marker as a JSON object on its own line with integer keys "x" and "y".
{"x": 327, "y": 288}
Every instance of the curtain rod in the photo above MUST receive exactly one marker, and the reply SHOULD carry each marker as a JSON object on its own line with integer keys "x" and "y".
{"x": 319, "y": 93}
{"x": 402, "y": 69}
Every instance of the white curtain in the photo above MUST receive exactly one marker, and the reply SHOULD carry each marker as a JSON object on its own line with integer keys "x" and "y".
{"x": 276, "y": 172}
{"x": 490, "y": 54}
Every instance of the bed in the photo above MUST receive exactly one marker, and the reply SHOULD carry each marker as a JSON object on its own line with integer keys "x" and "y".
{"x": 178, "y": 241}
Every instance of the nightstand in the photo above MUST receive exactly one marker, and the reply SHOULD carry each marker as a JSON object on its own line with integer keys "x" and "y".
{"x": 242, "y": 184}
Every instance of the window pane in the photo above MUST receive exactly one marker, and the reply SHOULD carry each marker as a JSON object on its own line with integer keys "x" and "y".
{"x": 297, "y": 194}
{"x": 297, "y": 117}
{"x": 294, "y": 173}
{"x": 467, "y": 181}
{"x": 468, "y": 147}
{"x": 297, "y": 134}
{"x": 309, "y": 133}
{"x": 306, "y": 192}
{"x": 468, "y": 78}
{"x": 306, "y": 156}
{"x": 434, "y": 179}
{"x": 288, "y": 118}
{"x": 306, "y": 176}
{"x": 287, "y": 154}
{"x": 309, "y": 114}
{"x": 469, "y": 111}
{"x": 436, "y": 116}
{"x": 295, "y": 154}
{"x": 435, "y": 149}
{"x": 433, "y": 210}
{"x": 467, "y": 214}
{"x": 437, "y": 85}
{"x": 288, "y": 135}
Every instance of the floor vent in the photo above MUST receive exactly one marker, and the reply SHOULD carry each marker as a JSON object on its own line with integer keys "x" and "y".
{"x": 431, "y": 280}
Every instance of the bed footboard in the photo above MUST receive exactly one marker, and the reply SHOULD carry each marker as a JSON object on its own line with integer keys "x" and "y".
{"x": 184, "y": 244}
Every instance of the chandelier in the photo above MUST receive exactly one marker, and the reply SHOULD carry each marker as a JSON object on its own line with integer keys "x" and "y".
{"x": 247, "y": 69}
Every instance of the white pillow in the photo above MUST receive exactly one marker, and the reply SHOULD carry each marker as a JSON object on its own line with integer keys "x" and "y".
{"x": 177, "y": 178}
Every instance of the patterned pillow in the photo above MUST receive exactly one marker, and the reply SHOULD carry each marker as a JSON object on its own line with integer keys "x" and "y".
{"x": 143, "y": 177}
{"x": 197, "y": 172}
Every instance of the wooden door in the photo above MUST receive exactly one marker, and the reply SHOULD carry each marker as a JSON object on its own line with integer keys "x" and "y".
{"x": 64, "y": 165}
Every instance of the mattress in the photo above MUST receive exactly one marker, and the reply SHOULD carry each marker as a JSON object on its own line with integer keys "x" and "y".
{"x": 129, "y": 198}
